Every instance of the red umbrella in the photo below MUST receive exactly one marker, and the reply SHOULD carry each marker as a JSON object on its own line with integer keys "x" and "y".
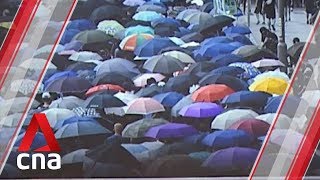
{"x": 255, "y": 127}
{"x": 104, "y": 87}
{"x": 211, "y": 93}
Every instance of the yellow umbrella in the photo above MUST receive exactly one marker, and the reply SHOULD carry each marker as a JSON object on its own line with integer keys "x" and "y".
{"x": 270, "y": 85}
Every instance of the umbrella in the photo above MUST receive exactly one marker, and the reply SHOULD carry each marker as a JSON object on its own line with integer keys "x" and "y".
{"x": 149, "y": 91}
{"x": 80, "y": 128}
{"x": 81, "y": 25}
{"x": 142, "y": 79}
{"x": 183, "y": 14}
{"x": 144, "y": 106}
{"x": 115, "y": 78}
{"x": 238, "y": 29}
{"x": 228, "y": 70}
{"x": 254, "y": 127}
{"x": 200, "y": 156}
{"x": 267, "y": 63}
{"x": 153, "y": 47}
{"x": 272, "y": 74}
{"x": 181, "y": 104}
{"x": 103, "y": 100}
{"x": 106, "y": 12}
{"x": 250, "y": 70}
{"x": 201, "y": 110}
{"x": 125, "y": 97}
{"x": 215, "y": 49}
{"x": 240, "y": 38}
{"x": 290, "y": 107}
{"x": 68, "y": 36}
{"x": 23, "y": 86}
{"x": 226, "y": 119}
{"x": 55, "y": 115}
{"x": 227, "y": 138}
{"x": 253, "y": 53}
{"x": 283, "y": 121}
{"x": 59, "y": 75}
{"x": 201, "y": 68}
{"x": 110, "y": 27}
{"x": 165, "y": 21}
{"x": 217, "y": 40}
{"x": 111, "y": 170}
{"x": 168, "y": 99}
{"x": 163, "y": 64}
{"x": 193, "y": 37}
{"x": 181, "y": 83}
{"x": 85, "y": 56}
{"x": 295, "y": 50}
{"x": 174, "y": 166}
{"x": 288, "y": 139}
{"x": 134, "y": 148}
{"x": 104, "y": 87}
{"x": 68, "y": 85}
{"x": 226, "y": 59}
{"x": 11, "y": 120}
{"x": 133, "y": 3}
{"x": 256, "y": 100}
{"x": 74, "y": 157}
{"x": 198, "y": 18}
{"x": 146, "y": 16}
{"x": 231, "y": 159}
{"x": 129, "y": 43}
{"x": 211, "y": 93}
{"x": 181, "y": 56}
{"x": 154, "y": 8}
{"x": 123, "y": 66}
{"x": 139, "y": 128}
{"x": 91, "y": 36}
{"x": 215, "y": 23}
{"x": 235, "y": 83}
{"x": 73, "y": 119}
{"x": 139, "y": 30}
{"x": 270, "y": 85}
{"x": 78, "y": 66}
{"x": 171, "y": 130}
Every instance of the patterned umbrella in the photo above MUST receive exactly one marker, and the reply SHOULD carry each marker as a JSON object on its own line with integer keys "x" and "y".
{"x": 250, "y": 70}
{"x": 110, "y": 27}
{"x": 146, "y": 16}
{"x": 129, "y": 43}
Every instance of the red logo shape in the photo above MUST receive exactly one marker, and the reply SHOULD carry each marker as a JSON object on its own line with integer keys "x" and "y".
{"x": 39, "y": 121}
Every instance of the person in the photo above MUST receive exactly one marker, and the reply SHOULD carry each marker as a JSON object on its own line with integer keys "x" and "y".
{"x": 270, "y": 11}
{"x": 295, "y": 40}
{"x": 310, "y": 9}
{"x": 151, "y": 82}
{"x": 269, "y": 39}
{"x": 259, "y": 10}
{"x": 116, "y": 138}
{"x": 46, "y": 98}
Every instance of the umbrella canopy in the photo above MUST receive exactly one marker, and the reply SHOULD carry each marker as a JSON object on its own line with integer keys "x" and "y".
{"x": 133, "y": 3}
{"x": 227, "y": 138}
{"x": 226, "y": 59}
{"x": 238, "y": 29}
{"x": 163, "y": 64}
{"x": 139, "y": 128}
{"x": 171, "y": 130}
{"x": 141, "y": 80}
{"x": 270, "y": 85}
{"x": 92, "y": 36}
{"x": 256, "y": 100}
{"x": 201, "y": 110}
{"x": 153, "y": 47}
{"x": 59, "y": 75}
{"x": 226, "y": 119}
{"x": 103, "y": 100}
{"x": 118, "y": 65}
{"x": 154, "y": 8}
{"x": 181, "y": 56}
{"x": 55, "y": 115}
{"x": 198, "y": 18}
{"x": 250, "y": 70}
{"x": 165, "y": 21}
{"x": 253, "y": 53}
{"x": 183, "y": 14}
{"x": 129, "y": 43}
{"x": 68, "y": 85}
{"x": 106, "y": 12}
{"x": 146, "y": 16}
{"x": 73, "y": 119}
{"x": 181, "y": 83}
{"x": 126, "y": 97}
{"x": 80, "y": 128}
{"x": 211, "y": 93}
{"x": 272, "y": 74}
{"x": 230, "y": 159}
{"x": 104, "y": 87}
{"x": 168, "y": 99}
{"x": 115, "y": 78}
{"x": 149, "y": 91}
{"x": 267, "y": 63}
{"x": 81, "y": 24}
{"x": 254, "y": 127}
{"x": 235, "y": 83}
{"x": 283, "y": 121}
{"x": 240, "y": 38}
{"x": 134, "y": 30}
{"x": 228, "y": 70}
{"x": 216, "y": 23}
{"x": 81, "y": 66}
{"x": 85, "y": 56}
{"x": 181, "y": 104}
{"x": 110, "y": 27}
{"x": 215, "y": 49}
{"x": 74, "y": 157}
{"x": 144, "y": 106}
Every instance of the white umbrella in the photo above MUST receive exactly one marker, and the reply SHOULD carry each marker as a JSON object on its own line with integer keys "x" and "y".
{"x": 85, "y": 56}
{"x": 141, "y": 80}
{"x": 267, "y": 63}
{"x": 67, "y": 102}
{"x": 56, "y": 114}
{"x": 283, "y": 121}
{"x": 126, "y": 97}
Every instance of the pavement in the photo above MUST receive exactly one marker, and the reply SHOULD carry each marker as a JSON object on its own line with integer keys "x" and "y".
{"x": 297, "y": 27}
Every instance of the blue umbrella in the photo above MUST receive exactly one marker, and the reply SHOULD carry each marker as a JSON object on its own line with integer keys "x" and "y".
{"x": 153, "y": 47}
{"x": 195, "y": 139}
{"x": 240, "y": 38}
{"x": 250, "y": 70}
{"x": 228, "y": 70}
{"x": 68, "y": 36}
{"x": 73, "y": 45}
{"x": 58, "y": 76}
{"x": 239, "y": 158}
{"x": 165, "y": 21}
{"x": 237, "y": 29}
{"x": 138, "y": 30}
{"x": 227, "y": 138}
{"x": 73, "y": 120}
{"x": 247, "y": 99}
{"x": 215, "y": 49}
{"x": 217, "y": 39}
{"x": 38, "y": 142}
{"x": 81, "y": 24}
{"x": 231, "y": 81}
{"x": 226, "y": 59}
{"x": 201, "y": 156}
{"x": 135, "y": 148}
{"x": 168, "y": 99}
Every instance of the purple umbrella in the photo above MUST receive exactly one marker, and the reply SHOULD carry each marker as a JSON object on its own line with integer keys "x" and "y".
{"x": 231, "y": 159}
{"x": 201, "y": 110}
{"x": 170, "y": 130}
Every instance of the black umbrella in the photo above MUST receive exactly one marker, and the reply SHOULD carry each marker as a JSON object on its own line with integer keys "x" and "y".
{"x": 78, "y": 66}
{"x": 181, "y": 83}
{"x": 68, "y": 85}
{"x": 149, "y": 91}
{"x": 92, "y": 36}
{"x": 215, "y": 23}
{"x": 207, "y": 7}
{"x": 110, "y": 170}
{"x": 231, "y": 81}
{"x": 61, "y": 62}
{"x": 193, "y": 37}
{"x": 163, "y": 64}
{"x": 137, "y": 22}
{"x": 106, "y": 12}
{"x": 114, "y": 78}
{"x": 201, "y": 68}
{"x": 165, "y": 30}
{"x": 102, "y": 100}
{"x": 253, "y": 53}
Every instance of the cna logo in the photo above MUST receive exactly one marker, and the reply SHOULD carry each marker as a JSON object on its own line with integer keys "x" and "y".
{"x": 48, "y": 155}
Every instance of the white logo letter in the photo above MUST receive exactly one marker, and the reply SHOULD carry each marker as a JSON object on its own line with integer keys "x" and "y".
{"x": 19, "y": 161}
{"x": 56, "y": 160}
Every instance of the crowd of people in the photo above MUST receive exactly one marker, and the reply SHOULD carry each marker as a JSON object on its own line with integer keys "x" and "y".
{"x": 143, "y": 88}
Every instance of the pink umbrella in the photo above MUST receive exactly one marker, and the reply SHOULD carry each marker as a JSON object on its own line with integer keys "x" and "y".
{"x": 141, "y": 81}
{"x": 144, "y": 106}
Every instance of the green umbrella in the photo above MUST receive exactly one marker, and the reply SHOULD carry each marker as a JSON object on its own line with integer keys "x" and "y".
{"x": 110, "y": 27}
{"x": 139, "y": 128}
{"x": 139, "y": 30}
{"x": 92, "y": 36}
{"x": 198, "y": 18}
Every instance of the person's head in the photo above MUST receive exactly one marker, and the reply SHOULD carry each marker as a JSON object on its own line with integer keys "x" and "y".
{"x": 263, "y": 30}
{"x": 151, "y": 81}
{"x": 46, "y": 98}
{"x": 117, "y": 128}
{"x": 296, "y": 40}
